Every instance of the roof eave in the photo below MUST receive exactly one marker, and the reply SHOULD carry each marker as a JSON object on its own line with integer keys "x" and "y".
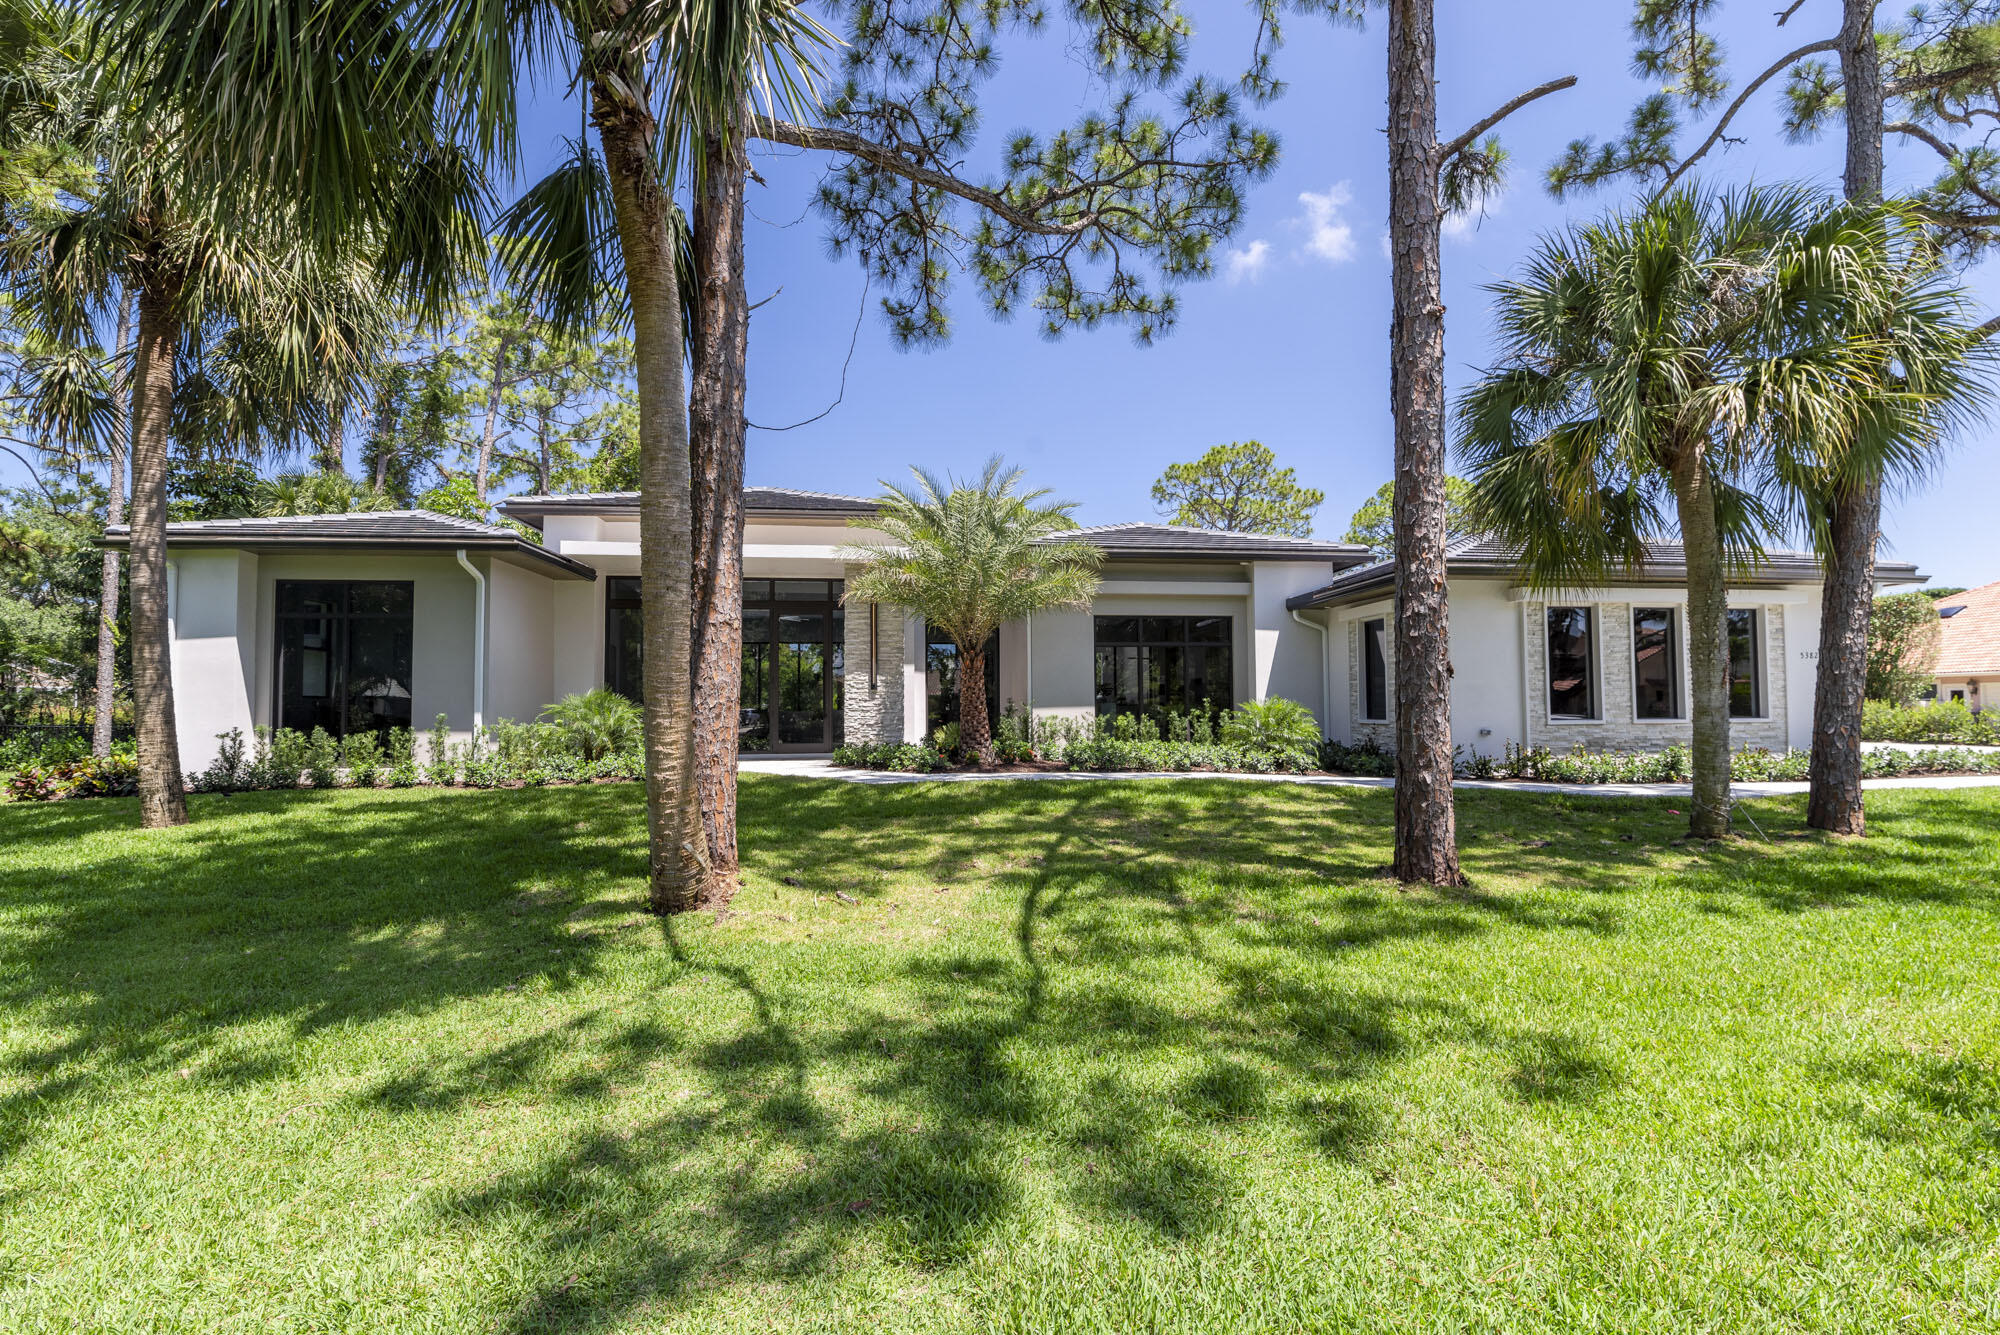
{"x": 516, "y": 547}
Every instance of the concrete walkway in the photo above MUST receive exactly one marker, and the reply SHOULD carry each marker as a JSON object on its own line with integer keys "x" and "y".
{"x": 819, "y": 767}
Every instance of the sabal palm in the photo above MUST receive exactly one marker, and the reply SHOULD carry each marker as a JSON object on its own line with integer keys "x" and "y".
{"x": 236, "y": 325}
{"x": 322, "y": 103}
{"x": 1650, "y": 365}
{"x": 968, "y": 557}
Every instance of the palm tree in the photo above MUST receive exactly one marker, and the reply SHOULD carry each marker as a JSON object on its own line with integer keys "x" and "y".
{"x": 1927, "y": 374}
{"x": 1651, "y": 365}
{"x": 389, "y": 88}
{"x": 967, "y": 557}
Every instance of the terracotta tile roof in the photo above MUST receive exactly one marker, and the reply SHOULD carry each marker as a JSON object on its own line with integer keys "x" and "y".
{"x": 1971, "y": 645}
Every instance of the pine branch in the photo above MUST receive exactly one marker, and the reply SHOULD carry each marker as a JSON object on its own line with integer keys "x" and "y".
{"x": 1451, "y": 150}
{"x": 1722, "y": 124}
{"x": 1948, "y": 153}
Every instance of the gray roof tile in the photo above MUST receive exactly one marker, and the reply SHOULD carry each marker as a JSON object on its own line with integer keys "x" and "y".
{"x": 411, "y": 529}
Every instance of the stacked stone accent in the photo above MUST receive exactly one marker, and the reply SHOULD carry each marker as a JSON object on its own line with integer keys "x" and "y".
{"x": 872, "y": 715}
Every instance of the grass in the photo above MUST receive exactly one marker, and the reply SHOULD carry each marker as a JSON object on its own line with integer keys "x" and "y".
{"x": 1077, "y": 1057}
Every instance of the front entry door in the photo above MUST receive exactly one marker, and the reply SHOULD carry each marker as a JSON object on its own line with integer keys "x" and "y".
{"x": 793, "y": 657}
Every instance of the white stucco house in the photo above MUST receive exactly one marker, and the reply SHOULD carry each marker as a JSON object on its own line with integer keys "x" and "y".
{"x": 370, "y": 621}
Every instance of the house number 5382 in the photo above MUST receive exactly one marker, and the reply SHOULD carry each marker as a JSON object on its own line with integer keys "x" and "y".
{"x": 1809, "y": 655}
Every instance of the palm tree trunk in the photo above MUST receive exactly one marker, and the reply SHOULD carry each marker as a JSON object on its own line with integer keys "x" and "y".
{"x": 716, "y": 430}
{"x": 1426, "y": 823}
{"x": 679, "y": 878}
{"x": 1708, "y": 644}
{"x": 975, "y": 738}
{"x": 1847, "y": 597}
{"x": 114, "y": 513}
{"x": 162, "y": 799}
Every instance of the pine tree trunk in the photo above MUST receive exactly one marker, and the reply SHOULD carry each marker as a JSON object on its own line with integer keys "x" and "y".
{"x": 483, "y": 466}
{"x": 162, "y": 799}
{"x": 1708, "y": 644}
{"x": 716, "y": 430}
{"x": 679, "y": 878}
{"x": 114, "y": 514}
{"x": 1426, "y": 823}
{"x": 1854, "y": 526}
{"x": 975, "y": 737}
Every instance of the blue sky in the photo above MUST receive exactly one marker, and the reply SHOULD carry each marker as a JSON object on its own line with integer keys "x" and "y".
{"x": 1287, "y": 342}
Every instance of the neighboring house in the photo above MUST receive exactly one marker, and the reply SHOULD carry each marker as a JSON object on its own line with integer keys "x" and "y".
{"x": 366, "y": 621}
{"x": 1968, "y": 666}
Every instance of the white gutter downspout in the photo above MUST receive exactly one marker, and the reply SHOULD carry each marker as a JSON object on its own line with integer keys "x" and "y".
{"x": 478, "y": 645}
{"x": 1029, "y": 622}
{"x": 1325, "y": 685}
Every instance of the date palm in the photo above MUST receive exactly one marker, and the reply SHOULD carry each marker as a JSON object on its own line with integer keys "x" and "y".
{"x": 968, "y": 557}
{"x": 1652, "y": 366}
{"x": 331, "y": 106}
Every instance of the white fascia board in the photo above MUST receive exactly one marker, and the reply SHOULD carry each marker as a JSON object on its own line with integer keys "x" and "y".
{"x": 1172, "y": 588}
{"x": 1654, "y": 595}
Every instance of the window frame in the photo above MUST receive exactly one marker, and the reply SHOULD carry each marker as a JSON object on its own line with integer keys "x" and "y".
{"x": 1368, "y": 623}
{"x": 1594, "y": 672}
{"x": 1760, "y": 686}
{"x": 338, "y": 664}
{"x": 1676, "y": 658}
{"x": 1186, "y": 644}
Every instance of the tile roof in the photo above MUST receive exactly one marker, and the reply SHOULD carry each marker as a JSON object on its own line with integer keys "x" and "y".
{"x": 1172, "y": 541}
{"x": 410, "y": 529}
{"x": 1970, "y": 644}
{"x": 1665, "y": 563}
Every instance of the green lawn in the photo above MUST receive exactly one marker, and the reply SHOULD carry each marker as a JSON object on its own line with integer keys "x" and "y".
{"x": 1078, "y": 1057}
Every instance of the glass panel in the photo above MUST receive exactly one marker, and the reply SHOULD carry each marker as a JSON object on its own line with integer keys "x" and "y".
{"x": 308, "y": 674}
{"x": 753, "y": 729}
{"x": 1745, "y": 685}
{"x": 838, "y": 649}
{"x": 940, "y": 685}
{"x": 624, "y": 652}
{"x": 383, "y": 599}
{"x": 802, "y": 678}
{"x": 1127, "y": 696}
{"x": 756, "y": 590}
{"x": 1217, "y": 686}
{"x": 1208, "y": 630}
{"x": 378, "y": 674}
{"x": 756, "y": 625}
{"x": 1166, "y": 679}
{"x": 1165, "y": 630}
{"x": 310, "y": 595}
{"x": 1375, "y": 669}
{"x": 800, "y": 591}
{"x": 622, "y": 591}
{"x": 1117, "y": 630}
{"x": 1655, "y": 663}
{"x": 1569, "y": 663}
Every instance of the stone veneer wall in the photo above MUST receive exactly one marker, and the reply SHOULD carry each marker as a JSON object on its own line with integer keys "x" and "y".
{"x": 1382, "y": 733}
{"x": 1618, "y": 727}
{"x": 873, "y": 715}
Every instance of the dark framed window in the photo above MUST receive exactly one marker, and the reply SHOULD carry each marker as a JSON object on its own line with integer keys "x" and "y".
{"x": 345, "y": 650}
{"x": 1746, "y": 663}
{"x": 1656, "y": 663}
{"x": 1161, "y": 665}
{"x": 941, "y": 681}
{"x": 1375, "y": 669}
{"x": 624, "y": 653}
{"x": 1572, "y": 673}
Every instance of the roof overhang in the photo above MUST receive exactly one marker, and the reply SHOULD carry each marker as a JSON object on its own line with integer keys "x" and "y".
{"x": 1349, "y": 592}
{"x": 512, "y": 551}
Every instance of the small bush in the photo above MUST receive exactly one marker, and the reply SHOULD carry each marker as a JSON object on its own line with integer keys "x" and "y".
{"x": 945, "y": 740}
{"x": 1938, "y": 721}
{"x": 322, "y": 759}
{"x": 361, "y": 756}
{"x": 113, "y": 776}
{"x": 597, "y": 723}
{"x": 1367, "y": 760}
{"x": 1272, "y": 727}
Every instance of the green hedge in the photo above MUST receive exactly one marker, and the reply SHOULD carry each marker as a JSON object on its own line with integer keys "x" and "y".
{"x": 1939, "y": 721}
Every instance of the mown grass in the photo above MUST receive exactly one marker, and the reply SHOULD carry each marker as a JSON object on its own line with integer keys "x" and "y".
{"x": 1077, "y": 1057}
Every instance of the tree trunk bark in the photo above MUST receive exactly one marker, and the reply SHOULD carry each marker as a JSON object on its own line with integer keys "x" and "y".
{"x": 680, "y": 877}
{"x": 716, "y": 430}
{"x": 1708, "y": 645}
{"x": 114, "y": 513}
{"x": 1854, "y": 524}
{"x": 1426, "y": 823}
{"x": 483, "y": 467}
{"x": 975, "y": 738}
{"x": 162, "y": 798}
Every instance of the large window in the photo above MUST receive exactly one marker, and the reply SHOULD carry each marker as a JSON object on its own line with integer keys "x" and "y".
{"x": 1161, "y": 665}
{"x": 1572, "y": 675}
{"x": 1375, "y": 669}
{"x": 1746, "y": 663}
{"x": 794, "y": 658}
{"x": 941, "y": 681}
{"x": 1656, "y": 663}
{"x": 344, "y": 651}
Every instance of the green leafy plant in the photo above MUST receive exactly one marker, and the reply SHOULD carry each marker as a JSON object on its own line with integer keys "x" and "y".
{"x": 1273, "y": 727}
{"x": 322, "y": 759}
{"x": 596, "y": 724}
{"x": 361, "y": 755}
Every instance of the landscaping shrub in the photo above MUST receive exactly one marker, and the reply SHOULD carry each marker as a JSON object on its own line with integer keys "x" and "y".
{"x": 1273, "y": 727}
{"x": 1938, "y": 721}
{"x": 597, "y": 723}
{"x": 322, "y": 759}
{"x": 1367, "y": 759}
{"x": 361, "y": 756}
{"x": 116, "y": 775}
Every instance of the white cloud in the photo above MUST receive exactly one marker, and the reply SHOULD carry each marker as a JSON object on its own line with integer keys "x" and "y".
{"x": 1248, "y": 263}
{"x": 1328, "y": 235}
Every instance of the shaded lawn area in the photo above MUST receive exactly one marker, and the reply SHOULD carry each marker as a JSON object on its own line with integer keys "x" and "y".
{"x": 1080, "y": 1057}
